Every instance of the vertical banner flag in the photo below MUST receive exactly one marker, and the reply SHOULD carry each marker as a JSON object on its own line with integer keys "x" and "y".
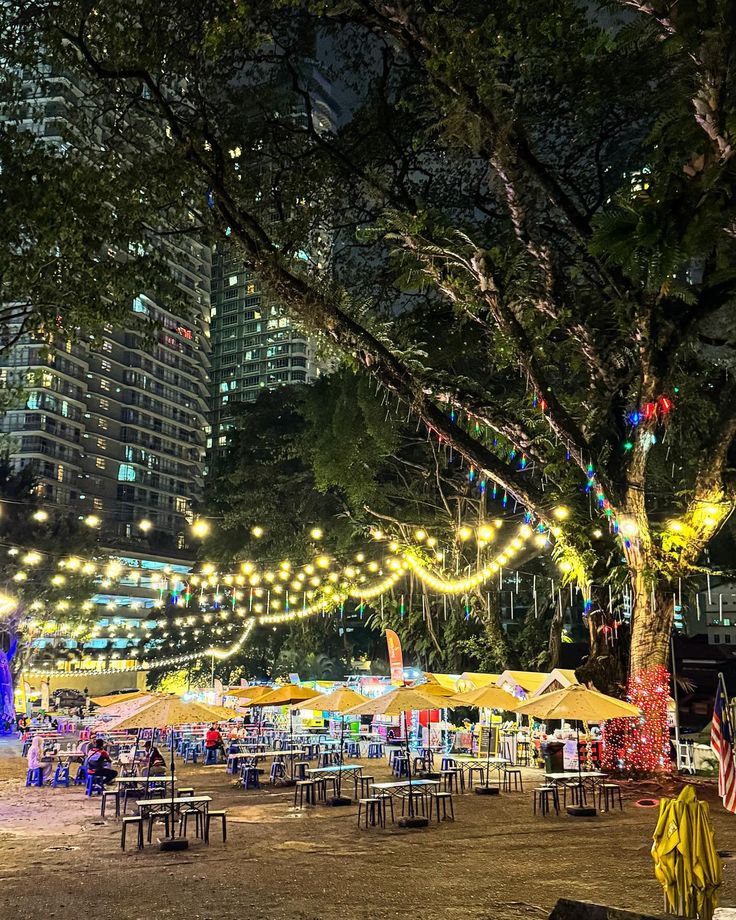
{"x": 721, "y": 740}
{"x": 395, "y": 658}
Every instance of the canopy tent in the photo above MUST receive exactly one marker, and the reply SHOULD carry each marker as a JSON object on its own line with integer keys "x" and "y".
{"x": 557, "y": 679}
{"x": 518, "y": 682}
{"x": 448, "y": 681}
{"x": 287, "y": 695}
{"x": 471, "y": 680}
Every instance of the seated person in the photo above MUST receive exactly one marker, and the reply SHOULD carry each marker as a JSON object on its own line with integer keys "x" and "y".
{"x": 153, "y": 760}
{"x": 213, "y": 743}
{"x": 98, "y": 761}
{"x": 36, "y": 759}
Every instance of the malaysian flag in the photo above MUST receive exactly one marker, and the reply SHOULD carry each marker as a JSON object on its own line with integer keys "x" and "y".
{"x": 721, "y": 739}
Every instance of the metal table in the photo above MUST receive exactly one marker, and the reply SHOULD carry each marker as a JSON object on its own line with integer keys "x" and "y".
{"x": 355, "y": 771}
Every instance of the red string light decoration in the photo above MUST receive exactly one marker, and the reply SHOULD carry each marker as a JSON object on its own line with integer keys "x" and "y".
{"x": 641, "y": 746}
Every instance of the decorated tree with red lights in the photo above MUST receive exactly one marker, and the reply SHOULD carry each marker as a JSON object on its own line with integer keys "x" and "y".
{"x": 518, "y": 219}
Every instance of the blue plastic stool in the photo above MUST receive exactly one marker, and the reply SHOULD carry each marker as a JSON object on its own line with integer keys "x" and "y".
{"x": 278, "y": 771}
{"x": 35, "y": 777}
{"x": 251, "y": 778}
{"x": 353, "y": 749}
{"x": 61, "y": 776}
{"x": 81, "y": 778}
{"x": 375, "y": 750}
{"x": 95, "y": 785}
{"x": 210, "y": 756}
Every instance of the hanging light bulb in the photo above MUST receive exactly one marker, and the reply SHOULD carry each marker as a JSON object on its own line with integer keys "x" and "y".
{"x": 316, "y": 533}
{"x": 561, "y": 513}
{"x": 40, "y": 515}
{"x": 257, "y": 532}
{"x": 200, "y": 528}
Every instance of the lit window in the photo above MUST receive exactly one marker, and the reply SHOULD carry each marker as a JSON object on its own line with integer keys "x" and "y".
{"x": 232, "y": 280}
{"x": 102, "y": 423}
{"x": 100, "y": 463}
{"x": 222, "y": 440}
{"x": 104, "y": 385}
{"x": 104, "y": 403}
{"x": 250, "y": 287}
{"x": 181, "y": 505}
{"x": 126, "y": 473}
{"x": 106, "y": 365}
{"x": 32, "y": 401}
{"x": 139, "y": 306}
{"x": 60, "y": 473}
{"x": 102, "y": 443}
{"x": 97, "y": 504}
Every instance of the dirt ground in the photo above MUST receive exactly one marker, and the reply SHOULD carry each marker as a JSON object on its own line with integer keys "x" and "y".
{"x": 59, "y": 859}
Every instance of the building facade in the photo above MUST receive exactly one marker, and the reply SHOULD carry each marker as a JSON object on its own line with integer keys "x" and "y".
{"x": 255, "y": 344}
{"x": 113, "y": 421}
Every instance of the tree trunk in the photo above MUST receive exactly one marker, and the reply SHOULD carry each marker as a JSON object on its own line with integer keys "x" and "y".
{"x": 642, "y": 745}
{"x": 605, "y": 666}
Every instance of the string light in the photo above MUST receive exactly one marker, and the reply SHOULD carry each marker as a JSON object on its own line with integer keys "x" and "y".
{"x": 200, "y": 528}
{"x": 257, "y": 532}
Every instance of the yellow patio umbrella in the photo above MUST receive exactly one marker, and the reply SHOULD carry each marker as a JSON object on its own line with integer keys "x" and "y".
{"x": 250, "y": 694}
{"x": 286, "y": 696}
{"x": 686, "y": 863}
{"x": 577, "y": 703}
{"x": 339, "y": 701}
{"x": 168, "y": 711}
{"x": 397, "y": 703}
{"x": 486, "y": 697}
{"x": 114, "y": 698}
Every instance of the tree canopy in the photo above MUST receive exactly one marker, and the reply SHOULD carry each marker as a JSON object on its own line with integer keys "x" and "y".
{"x": 518, "y": 219}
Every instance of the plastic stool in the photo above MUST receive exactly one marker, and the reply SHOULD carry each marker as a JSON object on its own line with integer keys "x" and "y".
{"x": 512, "y": 773}
{"x": 481, "y": 771}
{"x": 607, "y": 793}
{"x": 305, "y": 791}
{"x": 543, "y": 795}
{"x": 34, "y": 777}
{"x": 81, "y": 778}
{"x": 94, "y": 785}
{"x": 61, "y": 776}
{"x": 251, "y": 778}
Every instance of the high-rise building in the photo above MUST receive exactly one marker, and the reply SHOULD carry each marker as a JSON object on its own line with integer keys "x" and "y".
{"x": 113, "y": 421}
{"x": 255, "y": 344}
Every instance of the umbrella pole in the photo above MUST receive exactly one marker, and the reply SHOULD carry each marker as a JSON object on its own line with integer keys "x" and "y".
{"x": 580, "y": 811}
{"x": 339, "y": 798}
{"x": 172, "y": 842}
{"x": 487, "y": 788}
{"x": 412, "y": 820}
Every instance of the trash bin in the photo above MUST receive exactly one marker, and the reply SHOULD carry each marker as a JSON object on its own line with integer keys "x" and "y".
{"x": 553, "y": 757}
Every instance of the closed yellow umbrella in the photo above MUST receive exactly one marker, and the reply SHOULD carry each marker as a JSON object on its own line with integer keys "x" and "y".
{"x": 686, "y": 863}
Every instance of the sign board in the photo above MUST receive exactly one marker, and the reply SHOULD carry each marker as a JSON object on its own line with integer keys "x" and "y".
{"x": 395, "y": 657}
{"x": 488, "y": 734}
